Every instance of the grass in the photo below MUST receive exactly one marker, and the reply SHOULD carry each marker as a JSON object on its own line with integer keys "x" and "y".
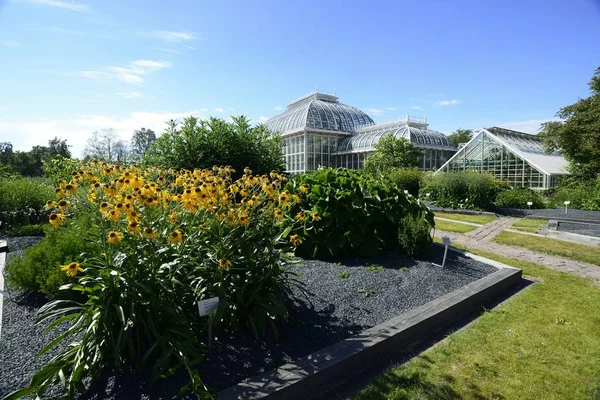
{"x": 529, "y": 225}
{"x": 476, "y": 219}
{"x": 541, "y": 344}
{"x": 456, "y": 227}
{"x": 561, "y": 248}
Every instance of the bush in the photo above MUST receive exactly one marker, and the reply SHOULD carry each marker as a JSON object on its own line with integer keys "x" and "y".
{"x": 203, "y": 143}
{"x": 518, "y": 198}
{"x": 164, "y": 241}
{"x": 39, "y": 268}
{"x": 414, "y": 236}
{"x": 22, "y": 200}
{"x": 60, "y": 168}
{"x": 407, "y": 179}
{"x": 583, "y": 194}
{"x": 348, "y": 212}
{"x": 462, "y": 190}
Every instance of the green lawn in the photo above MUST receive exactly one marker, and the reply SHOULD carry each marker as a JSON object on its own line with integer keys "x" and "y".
{"x": 476, "y": 219}
{"x": 453, "y": 227}
{"x": 529, "y": 225}
{"x": 561, "y": 248}
{"x": 543, "y": 343}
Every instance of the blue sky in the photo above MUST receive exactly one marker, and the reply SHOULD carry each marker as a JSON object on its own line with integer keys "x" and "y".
{"x": 70, "y": 67}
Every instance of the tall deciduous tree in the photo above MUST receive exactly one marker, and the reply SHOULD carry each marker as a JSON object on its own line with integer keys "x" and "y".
{"x": 140, "y": 142}
{"x": 460, "y": 136}
{"x": 577, "y": 137}
{"x": 391, "y": 153}
{"x": 105, "y": 145}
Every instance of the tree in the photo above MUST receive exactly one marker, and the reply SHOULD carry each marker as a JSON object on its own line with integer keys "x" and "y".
{"x": 392, "y": 152}
{"x": 203, "y": 143}
{"x": 58, "y": 147}
{"x": 577, "y": 136}
{"x": 140, "y": 142}
{"x": 105, "y": 145}
{"x": 460, "y": 136}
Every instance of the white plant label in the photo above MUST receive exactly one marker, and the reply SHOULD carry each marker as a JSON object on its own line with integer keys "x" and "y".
{"x": 567, "y": 203}
{"x": 208, "y": 306}
{"x": 529, "y": 203}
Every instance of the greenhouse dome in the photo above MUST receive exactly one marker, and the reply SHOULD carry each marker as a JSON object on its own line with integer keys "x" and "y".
{"x": 318, "y": 130}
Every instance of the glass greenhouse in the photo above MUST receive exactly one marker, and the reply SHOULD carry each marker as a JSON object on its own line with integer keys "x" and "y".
{"x": 317, "y": 131}
{"x": 515, "y": 157}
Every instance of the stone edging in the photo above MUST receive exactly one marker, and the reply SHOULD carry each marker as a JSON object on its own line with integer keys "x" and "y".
{"x": 3, "y": 251}
{"x": 322, "y": 369}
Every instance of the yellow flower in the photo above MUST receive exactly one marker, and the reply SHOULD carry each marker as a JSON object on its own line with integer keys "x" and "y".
{"x": 50, "y": 204}
{"x": 133, "y": 226}
{"x": 300, "y": 217}
{"x": 149, "y": 233}
{"x": 278, "y": 213}
{"x": 176, "y": 236}
{"x": 315, "y": 216}
{"x": 295, "y": 240}
{"x": 72, "y": 269}
{"x": 57, "y": 220}
{"x": 59, "y": 192}
{"x": 304, "y": 189}
{"x": 243, "y": 218}
{"x": 172, "y": 218}
{"x": 114, "y": 237}
{"x": 113, "y": 215}
{"x": 64, "y": 205}
{"x": 70, "y": 189}
{"x": 224, "y": 263}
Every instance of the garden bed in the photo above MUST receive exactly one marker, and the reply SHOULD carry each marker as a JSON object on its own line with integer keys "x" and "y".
{"x": 345, "y": 298}
{"x": 551, "y": 213}
{"x": 580, "y": 229}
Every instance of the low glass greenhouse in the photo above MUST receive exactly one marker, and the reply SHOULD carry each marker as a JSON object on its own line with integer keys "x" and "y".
{"x": 515, "y": 157}
{"x": 318, "y": 130}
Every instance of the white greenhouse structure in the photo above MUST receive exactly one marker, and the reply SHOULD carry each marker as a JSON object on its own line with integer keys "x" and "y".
{"x": 318, "y": 130}
{"x": 516, "y": 157}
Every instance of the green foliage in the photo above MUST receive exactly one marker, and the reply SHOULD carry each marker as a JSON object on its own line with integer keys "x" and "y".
{"x": 39, "y": 268}
{"x": 583, "y": 193}
{"x": 22, "y": 200}
{"x": 407, "y": 179}
{"x": 414, "y": 236}
{"x": 141, "y": 141}
{"x": 342, "y": 212}
{"x": 61, "y": 168}
{"x": 30, "y": 163}
{"x": 201, "y": 144}
{"x": 392, "y": 152}
{"x": 460, "y": 136}
{"x": 518, "y": 198}
{"x": 344, "y": 275}
{"x": 578, "y": 135}
{"x": 25, "y": 230}
{"x": 374, "y": 267}
{"x": 462, "y": 190}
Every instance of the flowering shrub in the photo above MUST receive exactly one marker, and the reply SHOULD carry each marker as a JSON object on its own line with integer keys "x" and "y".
{"x": 518, "y": 198}
{"x": 342, "y": 211}
{"x": 22, "y": 200}
{"x": 166, "y": 240}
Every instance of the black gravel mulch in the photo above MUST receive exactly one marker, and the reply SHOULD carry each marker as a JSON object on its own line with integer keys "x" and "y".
{"x": 581, "y": 229}
{"x": 345, "y": 297}
{"x": 551, "y": 213}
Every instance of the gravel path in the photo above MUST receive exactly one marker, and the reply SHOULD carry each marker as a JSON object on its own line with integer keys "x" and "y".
{"x": 336, "y": 308}
{"x": 551, "y": 213}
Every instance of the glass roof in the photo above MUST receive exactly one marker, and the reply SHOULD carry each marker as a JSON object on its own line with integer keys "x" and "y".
{"x": 319, "y": 111}
{"x": 365, "y": 141}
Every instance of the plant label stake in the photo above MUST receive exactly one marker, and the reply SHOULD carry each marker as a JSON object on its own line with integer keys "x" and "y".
{"x": 529, "y": 204}
{"x": 208, "y": 307}
{"x": 567, "y": 205}
{"x": 446, "y": 241}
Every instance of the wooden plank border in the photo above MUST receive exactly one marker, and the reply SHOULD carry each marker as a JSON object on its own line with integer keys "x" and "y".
{"x": 3, "y": 251}
{"x": 324, "y": 368}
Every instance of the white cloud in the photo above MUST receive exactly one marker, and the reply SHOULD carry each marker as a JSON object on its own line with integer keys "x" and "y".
{"x": 374, "y": 111}
{"x": 174, "y": 37}
{"x": 170, "y": 51}
{"x": 72, "y": 6}
{"x": 278, "y": 108}
{"x": 391, "y": 108}
{"x": 129, "y": 95}
{"x": 418, "y": 108}
{"x": 77, "y": 130}
{"x": 219, "y": 110}
{"x": 130, "y": 73}
{"x": 262, "y": 120}
{"x": 445, "y": 103}
{"x": 9, "y": 43}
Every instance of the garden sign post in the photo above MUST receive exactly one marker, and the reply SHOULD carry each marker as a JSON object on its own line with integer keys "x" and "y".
{"x": 208, "y": 307}
{"x": 446, "y": 241}
{"x": 567, "y": 205}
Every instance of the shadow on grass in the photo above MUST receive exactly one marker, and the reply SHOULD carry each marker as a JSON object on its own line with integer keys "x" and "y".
{"x": 384, "y": 381}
